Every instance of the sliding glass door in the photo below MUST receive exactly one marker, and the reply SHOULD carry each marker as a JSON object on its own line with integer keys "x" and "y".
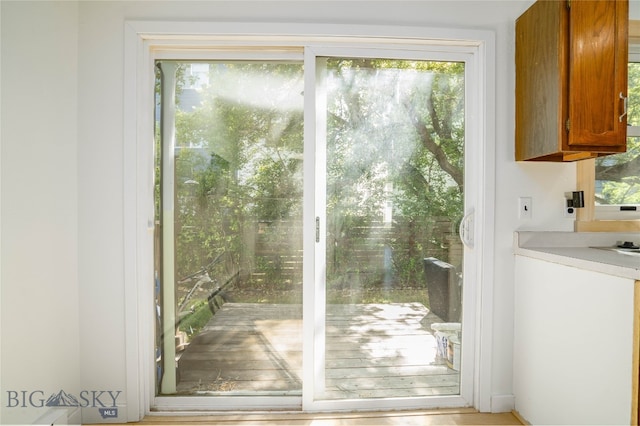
{"x": 229, "y": 266}
{"x": 307, "y": 230}
{"x": 393, "y": 198}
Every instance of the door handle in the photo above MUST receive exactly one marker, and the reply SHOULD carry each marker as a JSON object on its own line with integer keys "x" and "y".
{"x": 466, "y": 229}
{"x": 625, "y": 106}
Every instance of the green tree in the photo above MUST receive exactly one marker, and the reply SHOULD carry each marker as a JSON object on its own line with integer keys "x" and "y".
{"x": 238, "y": 162}
{"x": 240, "y": 154}
{"x": 395, "y": 142}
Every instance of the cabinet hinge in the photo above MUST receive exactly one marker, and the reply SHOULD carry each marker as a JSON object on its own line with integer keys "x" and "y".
{"x": 567, "y": 124}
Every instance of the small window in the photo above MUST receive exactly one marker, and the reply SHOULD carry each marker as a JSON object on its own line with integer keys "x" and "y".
{"x": 617, "y": 185}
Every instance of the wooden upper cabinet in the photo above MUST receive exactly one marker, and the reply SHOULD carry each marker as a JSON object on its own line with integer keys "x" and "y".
{"x": 571, "y": 79}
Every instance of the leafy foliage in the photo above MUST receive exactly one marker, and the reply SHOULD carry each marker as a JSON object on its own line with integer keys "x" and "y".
{"x": 193, "y": 323}
{"x": 395, "y": 150}
{"x": 395, "y": 141}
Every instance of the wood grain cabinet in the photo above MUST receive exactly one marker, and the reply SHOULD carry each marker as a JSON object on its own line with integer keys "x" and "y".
{"x": 571, "y": 79}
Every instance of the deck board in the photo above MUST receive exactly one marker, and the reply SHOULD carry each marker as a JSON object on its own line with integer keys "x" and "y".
{"x": 372, "y": 351}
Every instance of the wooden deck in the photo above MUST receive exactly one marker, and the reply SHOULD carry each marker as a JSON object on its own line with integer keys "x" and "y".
{"x": 372, "y": 350}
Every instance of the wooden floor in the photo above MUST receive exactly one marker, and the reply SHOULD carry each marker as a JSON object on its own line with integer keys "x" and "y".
{"x": 372, "y": 350}
{"x": 400, "y": 418}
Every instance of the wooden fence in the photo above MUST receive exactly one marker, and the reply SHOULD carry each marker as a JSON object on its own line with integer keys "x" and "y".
{"x": 275, "y": 249}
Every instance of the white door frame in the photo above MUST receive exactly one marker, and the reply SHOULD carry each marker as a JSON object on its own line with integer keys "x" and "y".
{"x": 143, "y": 39}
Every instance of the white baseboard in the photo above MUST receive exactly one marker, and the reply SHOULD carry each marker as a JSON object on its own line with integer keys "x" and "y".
{"x": 503, "y": 403}
{"x": 60, "y": 416}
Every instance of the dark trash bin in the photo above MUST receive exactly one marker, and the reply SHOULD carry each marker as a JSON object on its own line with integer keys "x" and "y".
{"x": 443, "y": 289}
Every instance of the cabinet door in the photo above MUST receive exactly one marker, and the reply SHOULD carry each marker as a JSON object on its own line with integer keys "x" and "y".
{"x": 598, "y": 32}
{"x": 542, "y": 61}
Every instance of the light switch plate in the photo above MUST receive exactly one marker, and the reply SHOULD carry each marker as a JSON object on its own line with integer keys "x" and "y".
{"x": 525, "y": 208}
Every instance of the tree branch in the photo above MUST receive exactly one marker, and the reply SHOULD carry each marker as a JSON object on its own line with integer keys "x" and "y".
{"x": 429, "y": 143}
{"x": 617, "y": 172}
{"x": 414, "y": 179}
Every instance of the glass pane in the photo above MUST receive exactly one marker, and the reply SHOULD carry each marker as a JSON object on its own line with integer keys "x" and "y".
{"x": 633, "y": 84}
{"x": 618, "y": 176}
{"x": 237, "y": 217}
{"x": 395, "y": 138}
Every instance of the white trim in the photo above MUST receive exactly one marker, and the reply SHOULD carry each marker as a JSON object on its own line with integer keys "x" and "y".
{"x": 199, "y": 404}
{"x": 486, "y": 231}
{"x": 130, "y": 241}
{"x": 503, "y": 403}
{"x": 472, "y": 279}
{"x": 314, "y": 299}
{"x": 145, "y": 38}
{"x": 168, "y": 147}
{"x": 1, "y": 254}
{"x": 138, "y": 226}
{"x": 164, "y": 34}
{"x": 613, "y": 212}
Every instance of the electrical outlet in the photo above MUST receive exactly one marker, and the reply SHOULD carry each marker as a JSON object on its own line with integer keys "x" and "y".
{"x": 525, "y": 208}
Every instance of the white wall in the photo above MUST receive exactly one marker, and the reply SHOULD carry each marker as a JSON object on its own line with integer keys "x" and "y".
{"x": 39, "y": 264}
{"x": 89, "y": 205}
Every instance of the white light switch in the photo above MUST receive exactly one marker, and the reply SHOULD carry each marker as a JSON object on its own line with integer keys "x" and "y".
{"x": 525, "y": 208}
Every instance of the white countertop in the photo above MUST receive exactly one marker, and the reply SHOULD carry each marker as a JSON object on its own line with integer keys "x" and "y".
{"x": 575, "y": 249}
